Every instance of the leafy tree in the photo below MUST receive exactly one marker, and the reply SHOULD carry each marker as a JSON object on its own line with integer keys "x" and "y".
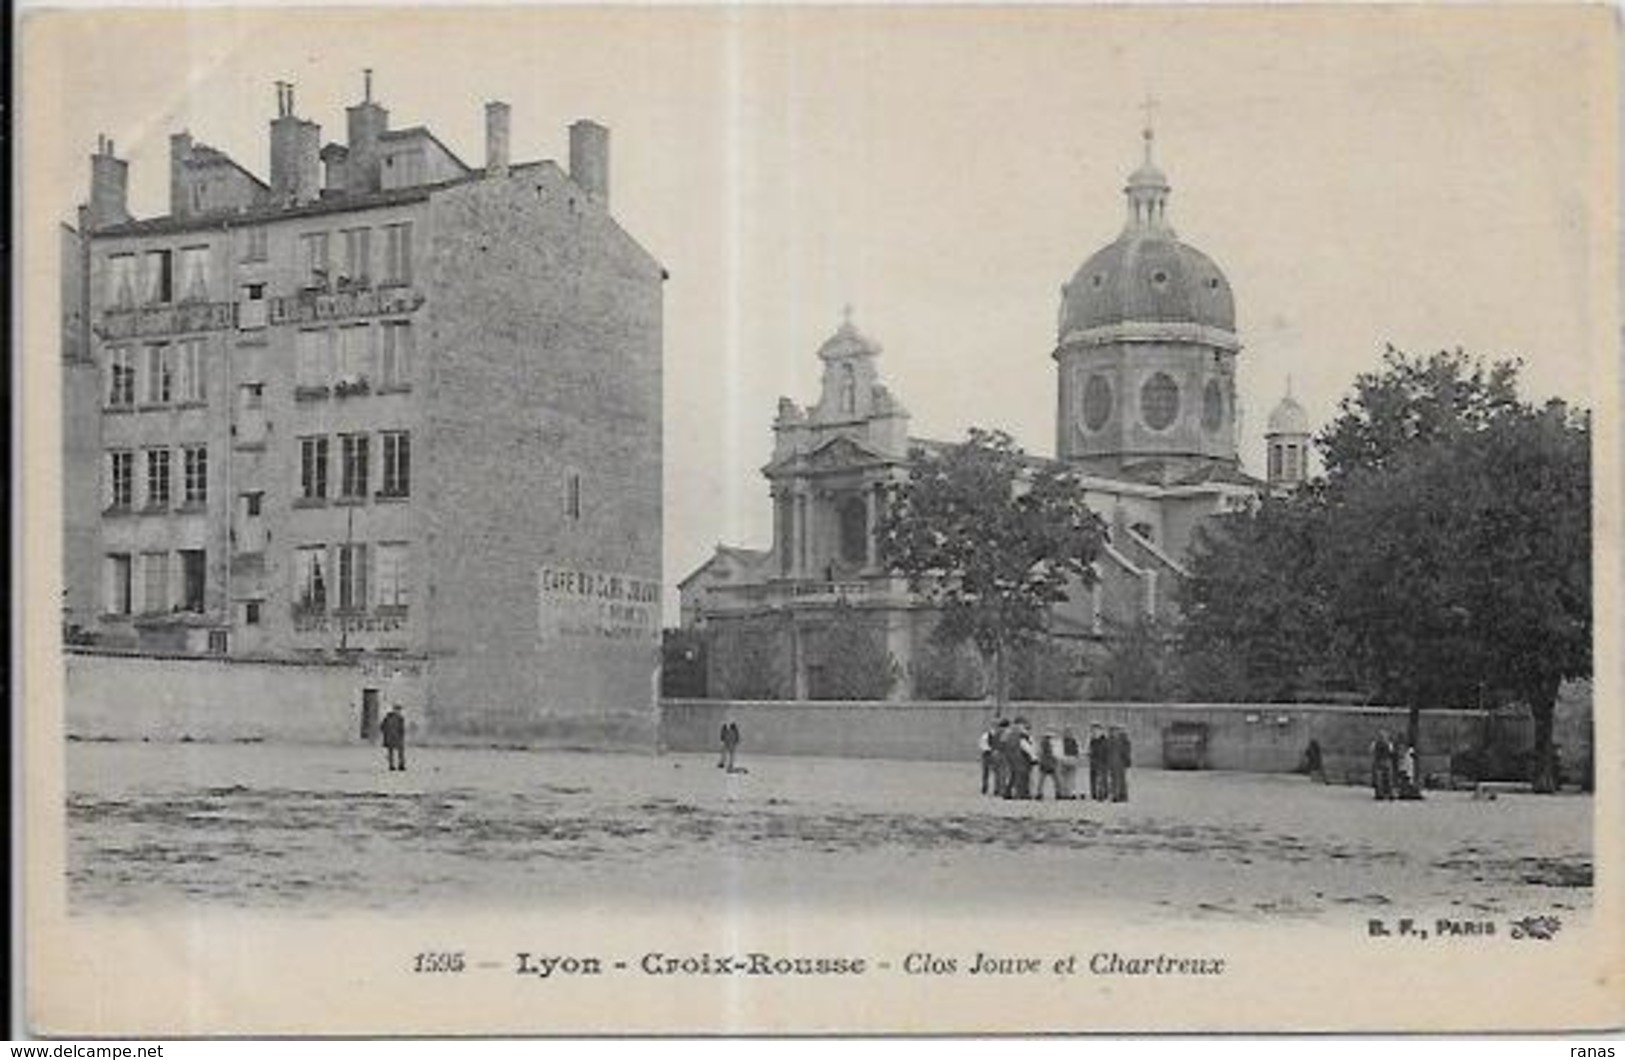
{"x": 854, "y": 662}
{"x": 683, "y": 663}
{"x": 751, "y": 663}
{"x": 1412, "y": 403}
{"x": 1466, "y": 562}
{"x": 1255, "y": 615}
{"x": 1141, "y": 665}
{"x": 948, "y": 672}
{"x": 1045, "y": 671}
{"x": 993, "y": 539}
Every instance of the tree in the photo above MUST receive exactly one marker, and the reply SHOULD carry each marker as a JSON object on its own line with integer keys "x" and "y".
{"x": 1444, "y": 557}
{"x": 1467, "y": 563}
{"x": 948, "y": 672}
{"x": 683, "y": 663}
{"x": 853, "y": 660}
{"x": 1255, "y": 614}
{"x": 1140, "y": 667}
{"x": 991, "y": 538}
{"x": 751, "y": 662}
{"x": 1412, "y": 403}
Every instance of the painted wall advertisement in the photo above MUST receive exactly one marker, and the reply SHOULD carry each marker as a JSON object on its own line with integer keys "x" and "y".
{"x": 598, "y": 605}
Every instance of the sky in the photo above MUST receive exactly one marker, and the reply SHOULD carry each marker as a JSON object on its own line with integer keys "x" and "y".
{"x": 1433, "y": 178}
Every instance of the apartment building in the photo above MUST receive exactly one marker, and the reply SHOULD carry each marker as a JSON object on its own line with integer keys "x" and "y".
{"x": 384, "y": 407}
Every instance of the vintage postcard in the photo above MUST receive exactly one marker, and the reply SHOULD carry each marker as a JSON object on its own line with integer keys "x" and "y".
{"x": 790, "y": 519}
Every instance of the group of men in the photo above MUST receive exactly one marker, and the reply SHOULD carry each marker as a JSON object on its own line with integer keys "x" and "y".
{"x": 1016, "y": 766}
{"x": 1393, "y": 771}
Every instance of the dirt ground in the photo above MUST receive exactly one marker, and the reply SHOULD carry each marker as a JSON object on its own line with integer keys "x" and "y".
{"x": 327, "y": 829}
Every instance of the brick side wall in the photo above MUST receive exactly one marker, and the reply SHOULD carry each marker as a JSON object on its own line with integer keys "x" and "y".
{"x": 544, "y": 361}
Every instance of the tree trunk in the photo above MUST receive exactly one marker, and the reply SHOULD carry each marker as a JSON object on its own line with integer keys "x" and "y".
{"x": 998, "y": 681}
{"x": 1542, "y": 706}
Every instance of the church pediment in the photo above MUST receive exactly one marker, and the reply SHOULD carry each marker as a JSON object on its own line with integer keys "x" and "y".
{"x": 838, "y": 454}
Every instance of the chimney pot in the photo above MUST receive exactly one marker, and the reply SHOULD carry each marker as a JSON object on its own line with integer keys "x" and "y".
{"x": 589, "y": 159}
{"x": 496, "y": 139}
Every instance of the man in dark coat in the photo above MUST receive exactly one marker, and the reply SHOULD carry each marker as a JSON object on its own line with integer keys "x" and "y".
{"x": 1099, "y": 787}
{"x": 1118, "y": 756}
{"x": 393, "y": 730}
{"x": 1384, "y": 756}
{"x": 730, "y": 746}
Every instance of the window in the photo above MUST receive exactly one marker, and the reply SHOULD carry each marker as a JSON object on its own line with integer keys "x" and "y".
{"x": 353, "y": 465}
{"x": 194, "y": 274}
{"x": 121, "y": 281}
{"x": 314, "y": 247}
{"x": 391, "y": 567}
{"x": 160, "y": 375}
{"x": 1212, "y": 405}
{"x": 254, "y": 243}
{"x": 397, "y": 464}
{"x": 157, "y": 478}
{"x": 572, "y": 495}
{"x": 195, "y": 473}
{"x": 396, "y": 368}
{"x": 116, "y": 587}
{"x": 352, "y": 577}
{"x": 252, "y": 503}
{"x": 154, "y": 582}
{"x": 120, "y": 378}
{"x": 1275, "y": 461}
{"x": 849, "y": 390}
{"x": 315, "y": 359}
{"x": 398, "y": 254}
{"x": 252, "y": 395}
{"x": 194, "y": 573}
{"x": 189, "y": 369}
{"x": 354, "y": 353}
{"x": 121, "y": 478}
{"x": 310, "y": 578}
{"x": 357, "y": 256}
{"x": 251, "y": 612}
{"x": 854, "y": 520}
{"x": 1097, "y": 402}
{"x": 158, "y": 279}
{"x": 251, "y": 311}
{"x": 313, "y": 468}
{"x": 1159, "y": 401}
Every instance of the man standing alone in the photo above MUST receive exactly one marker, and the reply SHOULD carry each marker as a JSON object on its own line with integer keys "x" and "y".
{"x": 393, "y": 729}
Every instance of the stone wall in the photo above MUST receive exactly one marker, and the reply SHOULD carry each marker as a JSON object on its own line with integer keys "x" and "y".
{"x": 542, "y": 417}
{"x": 1267, "y": 738}
{"x": 146, "y": 697}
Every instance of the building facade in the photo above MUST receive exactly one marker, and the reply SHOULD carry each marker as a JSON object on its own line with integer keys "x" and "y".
{"x": 386, "y": 407}
{"x": 1147, "y": 414}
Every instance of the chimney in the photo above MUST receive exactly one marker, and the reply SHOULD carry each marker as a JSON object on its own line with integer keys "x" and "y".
{"x": 496, "y": 139}
{"x": 367, "y": 122}
{"x": 589, "y": 159}
{"x": 295, "y": 147}
{"x": 180, "y": 150}
{"x": 109, "y": 183}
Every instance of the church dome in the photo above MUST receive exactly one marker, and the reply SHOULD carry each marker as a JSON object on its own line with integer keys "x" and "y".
{"x": 1288, "y": 418}
{"x": 1147, "y": 275}
{"x": 848, "y": 341}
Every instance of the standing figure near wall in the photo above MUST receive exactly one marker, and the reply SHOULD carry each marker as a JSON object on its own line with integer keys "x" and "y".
{"x": 393, "y": 731}
{"x": 1067, "y": 769}
{"x": 1118, "y": 757}
{"x": 1099, "y": 788}
{"x": 1384, "y": 756}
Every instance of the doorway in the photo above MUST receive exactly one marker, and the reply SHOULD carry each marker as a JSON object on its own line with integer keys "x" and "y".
{"x": 369, "y": 714}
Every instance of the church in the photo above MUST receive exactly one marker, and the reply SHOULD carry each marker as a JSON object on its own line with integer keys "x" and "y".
{"x": 1145, "y": 361}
